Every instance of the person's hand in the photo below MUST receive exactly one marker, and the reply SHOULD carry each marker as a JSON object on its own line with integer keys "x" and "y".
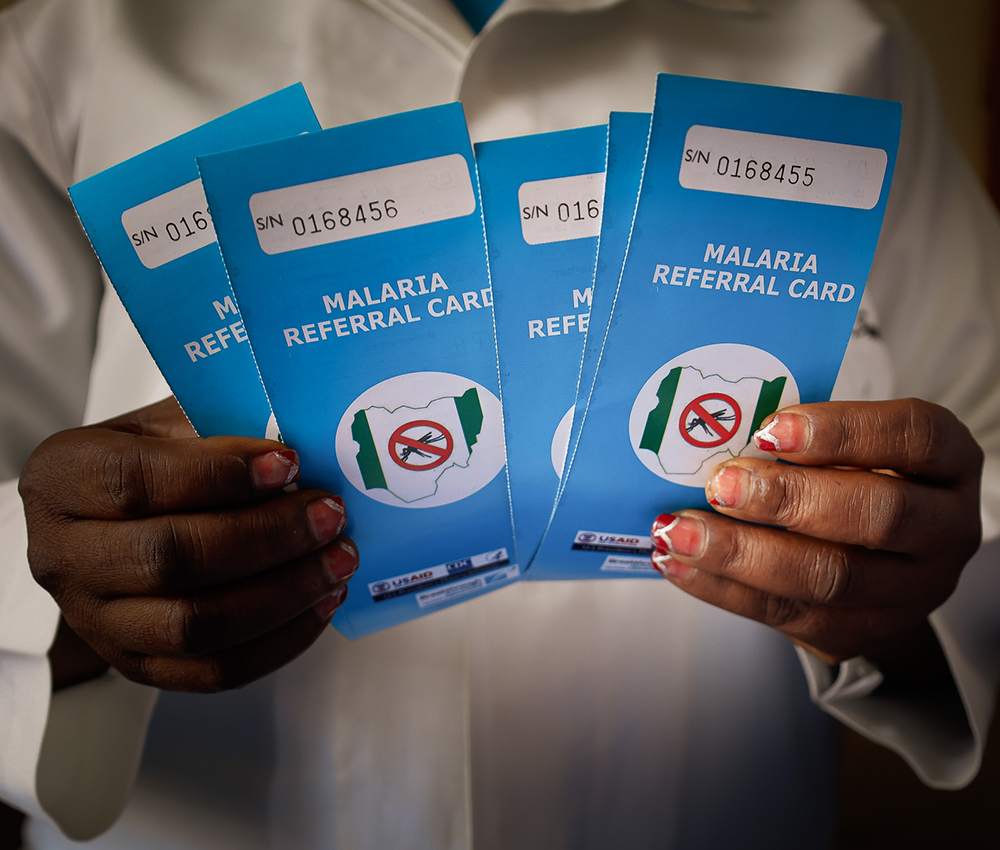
{"x": 180, "y": 560}
{"x": 859, "y": 537}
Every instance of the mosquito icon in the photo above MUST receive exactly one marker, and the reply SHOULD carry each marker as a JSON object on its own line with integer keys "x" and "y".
{"x": 428, "y": 438}
{"x": 719, "y": 416}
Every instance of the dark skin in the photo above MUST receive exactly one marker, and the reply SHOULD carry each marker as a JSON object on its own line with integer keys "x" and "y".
{"x": 856, "y": 539}
{"x": 173, "y": 562}
{"x": 178, "y": 560}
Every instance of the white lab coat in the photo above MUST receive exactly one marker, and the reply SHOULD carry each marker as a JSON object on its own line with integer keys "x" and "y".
{"x": 562, "y": 715}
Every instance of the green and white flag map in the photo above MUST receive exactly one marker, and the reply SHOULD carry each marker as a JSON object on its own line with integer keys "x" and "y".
{"x": 703, "y": 418}
{"x": 407, "y": 450}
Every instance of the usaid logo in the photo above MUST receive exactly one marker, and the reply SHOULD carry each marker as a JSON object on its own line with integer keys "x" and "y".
{"x": 618, "y": 540}
{"x": 402, "y": 581}
{"x": 381, "y": 587}
{"x": 606, "y": 541}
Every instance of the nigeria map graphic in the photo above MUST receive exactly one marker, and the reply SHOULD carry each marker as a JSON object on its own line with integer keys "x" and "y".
{"x": 407, "y": 450}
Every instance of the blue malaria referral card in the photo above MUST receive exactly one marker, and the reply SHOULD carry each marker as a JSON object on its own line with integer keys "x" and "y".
{"x": 148, "y": 221}
{"x": 628, "y": 133}
{"x": 358, "y": 257}
{"x": 542, "y": 200}
{"x": 753, "y": 238}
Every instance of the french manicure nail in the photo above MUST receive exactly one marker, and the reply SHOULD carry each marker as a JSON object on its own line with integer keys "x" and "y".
{"x": 274, "y": 469}
{"x": 680, "y": 535}
{"x": 326, "y": 607}
{"x": 728, "y": 487}
{"x": 670, "y": 568}
{"x": 340, "y": 560}
{"x": 662, "y": 526}
{"x": 786, "y": 432}
{"x": 328, "y": 517}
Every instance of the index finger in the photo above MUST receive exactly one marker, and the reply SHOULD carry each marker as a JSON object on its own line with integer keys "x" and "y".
{"x": 908, "y": 436}
{"x": 107, "y": 474}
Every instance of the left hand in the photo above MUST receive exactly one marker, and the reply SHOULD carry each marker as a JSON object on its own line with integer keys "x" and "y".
{"x": 861, "y": 535}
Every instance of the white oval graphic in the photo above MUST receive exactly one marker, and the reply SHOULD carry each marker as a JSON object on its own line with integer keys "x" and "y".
{"x": 703, "y": 407}
{"x": 422, "y": 440}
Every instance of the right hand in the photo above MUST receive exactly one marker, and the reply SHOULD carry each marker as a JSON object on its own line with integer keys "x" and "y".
{"x": 181, "y": 560}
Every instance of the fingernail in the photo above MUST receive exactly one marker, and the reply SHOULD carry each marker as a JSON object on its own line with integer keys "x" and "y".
{"x": 325, "y": 608}
{"x": 681, "y": 535}
{"x": 340, "y": 560}
{"x": 274, "y": 469}
{"x": 669, "y": 568}
{"x": 786, "y": 432}
{"x": 662, "y": 526}
{"x": 728, "y": 487}
{"x": 328, "y": 517}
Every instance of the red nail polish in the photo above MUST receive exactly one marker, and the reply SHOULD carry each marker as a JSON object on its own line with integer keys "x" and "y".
{"x": 328, "y": 516}
{"x": 669, "y": 568}
{"x": 728, "y": 487}
{"x": 340, "y": 560}
{"x": 679, "y": 535}
{"x": 274, "y": 469}
{"x": 662, "y": 527}
{"x": 786, "y": 432}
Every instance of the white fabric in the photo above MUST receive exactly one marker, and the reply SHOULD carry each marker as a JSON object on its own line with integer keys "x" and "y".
{"x": 612, "y": 714}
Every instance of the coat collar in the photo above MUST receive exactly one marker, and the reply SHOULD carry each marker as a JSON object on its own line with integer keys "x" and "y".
{"x": 438, "y": 22}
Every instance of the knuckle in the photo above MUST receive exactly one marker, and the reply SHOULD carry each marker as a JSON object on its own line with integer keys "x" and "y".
{"x": 48, "y": 572}
{"x": 926, "y": 433}
{"x": 843, "y": 434}
{"x": 188, "y": 628}
{"x": 157, "y": 553}
{"x": 222, "y": 473}
{"x": 53, "y": 559}
{"x": 830, "y": 576}
{"x": 731, "y": 550}
{"x": 885, "y": 517}
{"x": 125, "y": 483}
{"x": 29, "y": 485}
{"x": 45, "y": 468}
{"x": 780, "y": 612}
{"x": 785, "y": 494}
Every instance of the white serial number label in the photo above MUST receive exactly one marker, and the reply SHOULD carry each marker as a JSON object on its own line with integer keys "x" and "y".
{"x": 737, "y": 162}
{"x": 170, "y": 225}
{"x": 561, "y": 208}
{"x": 354, "y": 205}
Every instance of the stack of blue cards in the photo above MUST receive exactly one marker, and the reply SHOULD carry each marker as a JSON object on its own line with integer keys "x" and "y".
{"x": 512, "y": 358}
{"x": 149, "y": 223}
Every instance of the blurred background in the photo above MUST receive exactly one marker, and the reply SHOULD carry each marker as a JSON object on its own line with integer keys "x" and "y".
{"x": 962, "y": 38}
{"x": 883, "y": 805}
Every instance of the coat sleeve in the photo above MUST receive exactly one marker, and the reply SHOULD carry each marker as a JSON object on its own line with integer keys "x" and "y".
{"x": 935, "y": 284}
{"x": 72, "y": 757}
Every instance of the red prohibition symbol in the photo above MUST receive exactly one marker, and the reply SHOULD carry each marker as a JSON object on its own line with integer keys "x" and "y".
{"x": 429, "y": 440}
{"x": 710, "y": 420}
